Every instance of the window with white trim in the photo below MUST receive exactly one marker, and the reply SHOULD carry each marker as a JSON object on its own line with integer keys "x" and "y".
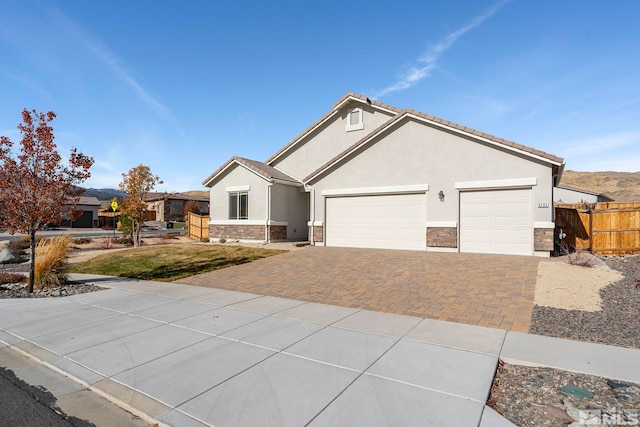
{"x": 239, "y": 205}
{"x": 354, "y": 120}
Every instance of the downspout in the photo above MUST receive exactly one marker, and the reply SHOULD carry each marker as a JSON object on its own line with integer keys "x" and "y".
{"x": 312, "y": 217}
{"x": 268, "y": 214}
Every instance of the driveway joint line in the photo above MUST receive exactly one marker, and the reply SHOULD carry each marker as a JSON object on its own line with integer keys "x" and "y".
{"x": 362, "y": 372}
{"x": 424, "y": 388}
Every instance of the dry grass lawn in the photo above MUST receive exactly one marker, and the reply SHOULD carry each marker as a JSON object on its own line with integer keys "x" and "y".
{"x": 167, "y": 263}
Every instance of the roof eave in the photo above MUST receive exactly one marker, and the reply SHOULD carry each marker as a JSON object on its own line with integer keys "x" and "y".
{"x": 555, "y": 162}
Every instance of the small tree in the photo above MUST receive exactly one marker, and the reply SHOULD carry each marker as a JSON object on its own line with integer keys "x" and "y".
{"x": 191, "y": 206}
{"x": 35, "y": 187}
{"x": 136, "y": 184}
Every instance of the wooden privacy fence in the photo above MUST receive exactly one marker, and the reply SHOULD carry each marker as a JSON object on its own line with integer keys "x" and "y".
{"x": 198, "y": 226}
{"x": 607, "y": 228}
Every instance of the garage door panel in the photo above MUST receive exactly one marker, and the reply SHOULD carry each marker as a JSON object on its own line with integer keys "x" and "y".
{"x": 385, "y": 221}
{"x": 496, "y": 221}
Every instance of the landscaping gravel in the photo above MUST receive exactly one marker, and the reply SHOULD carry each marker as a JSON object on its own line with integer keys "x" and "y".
{"x": 529, "y": 396}
{"x": 17, "y": 290}
{"x": 618, "y": 323}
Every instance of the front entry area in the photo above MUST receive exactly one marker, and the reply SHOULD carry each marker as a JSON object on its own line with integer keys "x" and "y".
{"x": 390, "y": 221}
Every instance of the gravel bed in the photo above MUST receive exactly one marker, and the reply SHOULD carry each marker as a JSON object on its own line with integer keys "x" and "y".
{"x": 17, "y": 290}
{"x": 529, "y": 396}
{"x": 617, "y": 324}
{"x": 20, "y": 267}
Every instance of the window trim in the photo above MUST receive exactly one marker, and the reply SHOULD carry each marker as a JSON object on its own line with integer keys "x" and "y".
{"x": 238, "y": 197}
{"x": 355, "y": 126}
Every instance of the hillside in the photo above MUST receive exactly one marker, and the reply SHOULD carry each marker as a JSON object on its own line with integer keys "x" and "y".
{"x": 103, "y": 193}
{"x": 621, "y": 186}
{"x": 197, "y": 193}
{"x": 110, "y": 193}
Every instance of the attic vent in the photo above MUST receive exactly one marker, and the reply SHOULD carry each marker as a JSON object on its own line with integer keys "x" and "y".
{"x": 354, "y": 120}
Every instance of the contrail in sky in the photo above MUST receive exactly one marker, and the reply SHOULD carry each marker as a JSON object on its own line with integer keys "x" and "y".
{"x": 428, "y": 62}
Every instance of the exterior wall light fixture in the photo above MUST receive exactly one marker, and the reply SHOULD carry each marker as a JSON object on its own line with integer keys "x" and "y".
{"x": 441, "y": 196}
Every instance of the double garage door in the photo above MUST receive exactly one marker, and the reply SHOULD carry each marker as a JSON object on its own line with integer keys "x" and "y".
{"x": 491, "y": 221}
{"x": 386, "y": 221}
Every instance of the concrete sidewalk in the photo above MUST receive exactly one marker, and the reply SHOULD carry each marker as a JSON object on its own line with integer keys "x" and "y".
{"x": 193, "y": 356}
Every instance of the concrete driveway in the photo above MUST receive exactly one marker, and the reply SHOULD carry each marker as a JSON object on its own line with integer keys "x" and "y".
{"x": 495, "y": 291}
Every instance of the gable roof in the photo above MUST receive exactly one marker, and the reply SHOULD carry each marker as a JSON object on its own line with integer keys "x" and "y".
{"x": 88, "y": 201}
{"x": 443, "y": 124}
{"x": 348, "y": 97}
{"x": 263, "y": 170}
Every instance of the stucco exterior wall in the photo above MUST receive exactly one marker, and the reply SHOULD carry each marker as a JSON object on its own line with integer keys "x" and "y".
{"x": 239, "y": 176}
{"x": 415, "y": 153}
{"x": 328, "y": 141}
{"x": 291, "y": 205}
{"x": 565, "y": 195}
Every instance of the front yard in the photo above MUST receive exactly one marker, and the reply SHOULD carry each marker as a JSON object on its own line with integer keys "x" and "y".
{"x": 169, "y": 263}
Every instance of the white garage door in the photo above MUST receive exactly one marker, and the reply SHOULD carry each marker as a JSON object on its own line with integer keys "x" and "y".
{"x": 496, "y": 222}
{"x": 385, "y": 222}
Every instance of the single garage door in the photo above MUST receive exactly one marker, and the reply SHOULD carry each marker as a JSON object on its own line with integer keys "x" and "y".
{"x": 386, "y": 221}
{"x": 496, "y": 222}
{"x": 85, "y": 221}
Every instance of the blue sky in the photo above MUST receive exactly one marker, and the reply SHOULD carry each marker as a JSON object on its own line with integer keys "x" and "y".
{"x": 183, "y": 86}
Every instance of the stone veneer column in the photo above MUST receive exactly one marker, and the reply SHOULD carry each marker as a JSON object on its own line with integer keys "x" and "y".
{"x": 442, "y": 237}
{"x": 543, "y": 239}
{"x": 317, "y": 233}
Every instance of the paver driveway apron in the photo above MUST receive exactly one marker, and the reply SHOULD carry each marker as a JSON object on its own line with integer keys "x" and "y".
{"x": 485, "y": 290}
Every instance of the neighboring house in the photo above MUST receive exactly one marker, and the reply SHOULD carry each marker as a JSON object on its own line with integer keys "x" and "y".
{"x": 170, "y": 207}
{"x": 567, "y": 195}
{"x": 88, "y": 206}
{"x": 107, "y": 218}
{"x": 370, "y": 175}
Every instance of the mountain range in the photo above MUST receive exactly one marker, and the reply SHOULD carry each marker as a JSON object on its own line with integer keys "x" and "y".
{"x": 620, "y": 186}
{"x": 110, "y": 193}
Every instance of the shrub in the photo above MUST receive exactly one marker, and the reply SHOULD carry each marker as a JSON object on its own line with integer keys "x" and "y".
{"x": 125, "y": 225}
{"x": 223, "y": 240}
{"x": 166, "y": 238}
{"x": 19, "y": 245}
{"x": 582, "y": 259}
{"x": 50, "y": 261}
{"x": 12, "y": 278}
{"x": 104, "y": 243}
{"x": 125, "y": 240}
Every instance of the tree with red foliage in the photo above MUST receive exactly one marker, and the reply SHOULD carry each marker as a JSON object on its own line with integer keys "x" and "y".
{"x": 36, "y": 188}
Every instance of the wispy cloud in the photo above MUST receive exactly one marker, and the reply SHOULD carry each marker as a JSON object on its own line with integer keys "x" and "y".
{"x": 110, "y": 59}
{"x": 429, "y": 60}
{"x": 31, "y": 84}
{"x": 601, "y": 144}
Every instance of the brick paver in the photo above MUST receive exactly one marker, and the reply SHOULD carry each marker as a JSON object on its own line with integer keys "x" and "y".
{"x": 486, "y": 290}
